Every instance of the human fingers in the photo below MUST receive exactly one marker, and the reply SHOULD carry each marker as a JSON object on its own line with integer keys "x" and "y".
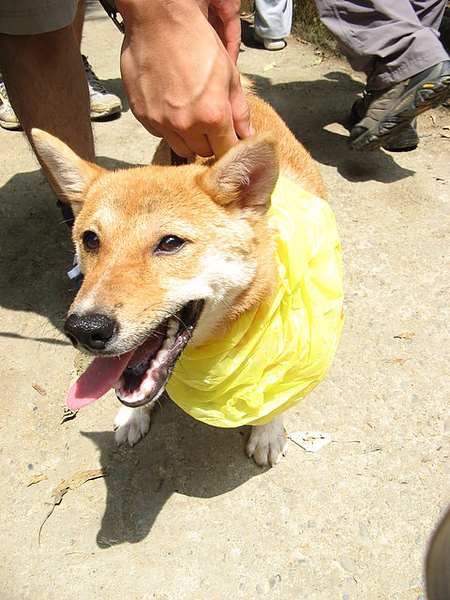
{"x": 224, "y": 16}
{"x": 191, "y": 145}
{"x": 222, "y": 142}
{"x": 240, "y": 109}
{"x": 213, "y": 134}
{"x": 223, "y": 120}
{"x": 229, "y": 33}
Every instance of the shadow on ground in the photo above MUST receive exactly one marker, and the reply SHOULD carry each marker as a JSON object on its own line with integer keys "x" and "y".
{"x": 306, "y": 108}
{"x": 37, "y": 250}
{"x": 179, "y": 456}
{"x": 312, "y": 109}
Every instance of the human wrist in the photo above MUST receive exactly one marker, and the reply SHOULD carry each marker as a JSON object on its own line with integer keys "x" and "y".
{"x": 138, "y": 12}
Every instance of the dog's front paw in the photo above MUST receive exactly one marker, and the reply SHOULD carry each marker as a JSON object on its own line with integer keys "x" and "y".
{"x": 131, "y": 424}
{"x": 267, "y": 443}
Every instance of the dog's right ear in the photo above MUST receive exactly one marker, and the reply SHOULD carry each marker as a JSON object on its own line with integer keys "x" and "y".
{"x": 246, "y": 175}
{"x": 69, "y": 174}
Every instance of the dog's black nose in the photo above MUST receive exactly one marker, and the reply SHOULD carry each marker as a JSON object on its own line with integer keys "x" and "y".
{"x": 93, "y": 331}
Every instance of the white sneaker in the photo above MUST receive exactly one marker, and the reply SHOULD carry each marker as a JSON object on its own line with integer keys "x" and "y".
{"x": 103, "y": 103}
{"x": 270, "y": 44}
{"x": 8, "y": 118}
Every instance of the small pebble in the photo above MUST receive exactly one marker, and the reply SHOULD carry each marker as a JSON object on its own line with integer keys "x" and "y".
{"x": 347, "y": 564}
{"x": 415, "y": 583}
{"x": 274, "y": 580}
{"x": 321, "y": 497}
{"x": 363, "y": 530}
{"x": 372, "y": 448}
{"x": 303, "y": 562}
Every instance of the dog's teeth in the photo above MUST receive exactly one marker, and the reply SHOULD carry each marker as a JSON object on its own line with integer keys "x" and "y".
{"x": 173, "y": 327}
{"x": 172, "y": 331}
{"x": 147, "y": 384}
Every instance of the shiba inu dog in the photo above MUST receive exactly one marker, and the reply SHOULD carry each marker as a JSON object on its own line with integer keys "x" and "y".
{"x": 183, "y": 263}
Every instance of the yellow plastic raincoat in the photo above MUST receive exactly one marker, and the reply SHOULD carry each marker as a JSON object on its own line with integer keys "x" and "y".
{"x": 273, "y": 357}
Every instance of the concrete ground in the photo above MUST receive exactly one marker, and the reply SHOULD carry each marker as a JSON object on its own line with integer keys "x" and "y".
{"x": 184, "y": 514}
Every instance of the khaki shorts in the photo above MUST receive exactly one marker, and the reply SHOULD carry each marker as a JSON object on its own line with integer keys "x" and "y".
{"x": 27, "y": 17}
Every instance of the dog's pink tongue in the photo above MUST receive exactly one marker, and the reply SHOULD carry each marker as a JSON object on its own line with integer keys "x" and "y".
{"x": 98, "y": 378}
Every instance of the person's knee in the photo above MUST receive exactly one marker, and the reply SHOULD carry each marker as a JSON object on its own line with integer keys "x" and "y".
{"x": 18, "y": 48}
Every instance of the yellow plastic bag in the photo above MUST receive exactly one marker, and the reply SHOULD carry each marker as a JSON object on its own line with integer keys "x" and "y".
{"x": 273, "y": 357}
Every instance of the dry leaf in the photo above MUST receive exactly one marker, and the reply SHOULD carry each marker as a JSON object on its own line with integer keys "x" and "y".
{"x": 270, "y": 66}
{"x": 75, "y": 482}
{"x": 397, "y": 361}
{"x": 407, "y": 335}
{"x": 37, "y": 479}
{"x": 70, "y": 484}
{"x": 40, "y": 390}
{"x": 68, "y": 415}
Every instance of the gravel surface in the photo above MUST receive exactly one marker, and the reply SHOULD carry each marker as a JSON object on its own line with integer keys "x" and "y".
{"x": 184, "y": 514}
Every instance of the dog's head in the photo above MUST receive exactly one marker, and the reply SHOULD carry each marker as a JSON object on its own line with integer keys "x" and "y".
{"x": 168, "y": 254}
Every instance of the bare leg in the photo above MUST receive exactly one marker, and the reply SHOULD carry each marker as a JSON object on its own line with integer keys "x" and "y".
{"x": 79, "y": 21}
{"x": 46, "y": 82}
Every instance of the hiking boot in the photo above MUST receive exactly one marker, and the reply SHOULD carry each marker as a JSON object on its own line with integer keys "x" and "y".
{"x": 404, "y": 142}
{"x": 391, "y": 111}
{"x": 103, "y": 103}
{"x": 8, "y": 118}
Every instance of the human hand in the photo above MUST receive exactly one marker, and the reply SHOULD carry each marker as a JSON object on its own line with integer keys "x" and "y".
{"x": 224, "y": 16}
{"x": 181, "y": 81}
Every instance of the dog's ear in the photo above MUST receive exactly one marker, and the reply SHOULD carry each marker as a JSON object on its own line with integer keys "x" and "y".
{"x": 246, "y": 175}
{"x": 69, "y": 174}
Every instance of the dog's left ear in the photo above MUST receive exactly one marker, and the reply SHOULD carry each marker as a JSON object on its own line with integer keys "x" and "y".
{"x": 69, "y": 174}
{"x": 246, "y": 175}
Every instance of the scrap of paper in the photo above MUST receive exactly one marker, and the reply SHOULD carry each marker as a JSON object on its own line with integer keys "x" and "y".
{"x": 311, "y": 441}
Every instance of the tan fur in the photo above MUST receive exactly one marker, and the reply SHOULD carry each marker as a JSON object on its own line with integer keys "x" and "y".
{"x": 295, "y": 161}
{"x": 219, "y": 209}
{"x": 138, "y": 206}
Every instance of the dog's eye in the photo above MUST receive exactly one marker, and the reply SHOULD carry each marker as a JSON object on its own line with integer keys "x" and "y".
{"x": 169, "y": 244}
{"x": 91, "y": 242}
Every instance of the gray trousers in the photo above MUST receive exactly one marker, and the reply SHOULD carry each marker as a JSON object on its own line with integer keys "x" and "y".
{"x": 389, "y": 40}
{"x": 273, "y": 18}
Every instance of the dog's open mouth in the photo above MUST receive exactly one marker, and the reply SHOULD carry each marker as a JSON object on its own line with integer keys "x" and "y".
{"x": 140, "y": 375}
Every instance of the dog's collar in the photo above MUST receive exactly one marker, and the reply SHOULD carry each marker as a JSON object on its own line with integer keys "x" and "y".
{"x": 274, "y": 356}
